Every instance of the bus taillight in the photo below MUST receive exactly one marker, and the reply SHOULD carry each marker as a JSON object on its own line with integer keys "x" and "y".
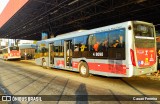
{"x": 132, "y": 57}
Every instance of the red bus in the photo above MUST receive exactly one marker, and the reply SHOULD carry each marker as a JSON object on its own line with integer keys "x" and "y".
{"x": 10, "y": 53}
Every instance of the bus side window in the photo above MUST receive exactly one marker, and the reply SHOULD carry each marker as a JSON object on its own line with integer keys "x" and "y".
{"x": 43, "y": 50}
{"x": 100, "y": 42}
{"x": 117, "y": 44}
{"x": 91, "y": 42}
{"x": 58, "y": 48}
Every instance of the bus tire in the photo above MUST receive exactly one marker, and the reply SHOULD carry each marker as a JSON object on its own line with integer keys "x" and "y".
{"x": 44, "y": 64}
{"x": 83, "y": 69}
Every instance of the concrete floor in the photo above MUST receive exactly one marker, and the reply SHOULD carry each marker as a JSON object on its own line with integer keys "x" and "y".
{"x": 64, "y": 87}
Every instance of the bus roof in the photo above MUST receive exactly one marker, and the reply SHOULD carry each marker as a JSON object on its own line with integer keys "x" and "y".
{"x": 25, "y": 46}
{"x": 93, "y": 31}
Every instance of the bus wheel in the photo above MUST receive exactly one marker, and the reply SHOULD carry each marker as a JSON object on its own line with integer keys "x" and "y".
{"x": 44, "y": 64}
{"x": 83, "y": 69}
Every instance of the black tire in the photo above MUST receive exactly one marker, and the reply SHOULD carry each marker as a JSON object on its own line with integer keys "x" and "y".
{"x": 83, "y": 69}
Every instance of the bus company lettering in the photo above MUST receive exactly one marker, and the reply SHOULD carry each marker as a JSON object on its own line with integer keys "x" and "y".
{"x": 97, "y": 53}
{"x": 14, "y": 98}
{"x": 140, "y": 51}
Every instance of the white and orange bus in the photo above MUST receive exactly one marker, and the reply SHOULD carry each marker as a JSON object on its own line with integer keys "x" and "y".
{"x": 120, "y": 50}
{"x": 12, "y": 52}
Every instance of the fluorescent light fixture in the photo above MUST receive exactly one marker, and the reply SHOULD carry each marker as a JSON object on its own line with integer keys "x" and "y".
{"x": 73, "y": 2}
{"x": 40, "y": 19}
{"x": 30, "y": 23}
{"x": 140, "y": 1}
{"x": 54, "y": 11}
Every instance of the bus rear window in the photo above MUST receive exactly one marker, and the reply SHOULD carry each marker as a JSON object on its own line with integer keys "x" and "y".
{"x": 144, "y": 36}
{"x": 143, "y": 30}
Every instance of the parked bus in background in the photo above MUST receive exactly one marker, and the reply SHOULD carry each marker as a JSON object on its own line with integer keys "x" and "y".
{"x": 9, "y": 53}
{"x": 42, "y": 53}
{"x": 121, "y": 50}
{"x": 158, "y": 47}
{"x": 27, "y": 51}
{"x": 158, "y": 55}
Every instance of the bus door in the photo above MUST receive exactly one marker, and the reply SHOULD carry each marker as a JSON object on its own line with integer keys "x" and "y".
{"x": 68, "y": 53}
{"x": 51, "y": 54}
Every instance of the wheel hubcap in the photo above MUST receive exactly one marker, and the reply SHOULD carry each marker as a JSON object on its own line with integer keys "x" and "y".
{"x": 83, "y": 70}
{"x": 44, "y": 63}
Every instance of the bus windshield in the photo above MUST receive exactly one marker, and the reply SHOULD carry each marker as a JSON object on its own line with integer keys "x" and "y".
{"x": 143, "y": 30}
{"x": 144, "y": 36}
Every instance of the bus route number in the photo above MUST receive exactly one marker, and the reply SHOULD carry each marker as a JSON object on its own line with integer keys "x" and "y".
{"x": 97, "y": 53}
